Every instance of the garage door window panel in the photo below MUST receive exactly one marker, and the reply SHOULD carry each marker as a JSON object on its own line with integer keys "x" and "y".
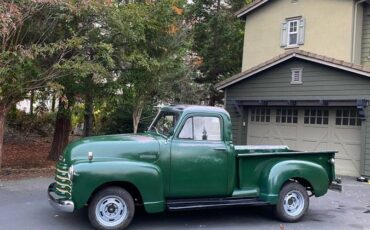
{"x": 316, "y": 117}
{"x": 347, "y": 117}
{"x": 288, "y": 116}
{"x": 260, "y": 115}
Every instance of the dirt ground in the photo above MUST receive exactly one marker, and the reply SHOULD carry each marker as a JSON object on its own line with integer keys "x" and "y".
{"x": 26, "y": 157}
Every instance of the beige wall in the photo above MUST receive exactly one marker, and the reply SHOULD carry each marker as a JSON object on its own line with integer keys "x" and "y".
{"x": 328, "y": 29}
{"x": 357, "y": 46}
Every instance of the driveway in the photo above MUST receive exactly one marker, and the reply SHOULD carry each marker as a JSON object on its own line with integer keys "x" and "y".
{"x": 23, "y": 205}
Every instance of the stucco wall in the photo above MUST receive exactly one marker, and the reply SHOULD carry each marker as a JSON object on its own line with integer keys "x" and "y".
{"x": 365, "y": 55}
{"x": 329, "y": 26}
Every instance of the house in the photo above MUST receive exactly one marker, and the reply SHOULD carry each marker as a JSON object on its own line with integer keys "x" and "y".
{"x": 305, "y": 81}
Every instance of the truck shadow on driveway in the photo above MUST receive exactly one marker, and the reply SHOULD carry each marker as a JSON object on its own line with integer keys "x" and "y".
{"x": 229, "y": 218}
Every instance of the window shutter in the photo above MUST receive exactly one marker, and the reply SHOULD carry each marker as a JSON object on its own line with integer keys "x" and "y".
{"x": 284, "y": 34}
{"x": 302, "y": 23}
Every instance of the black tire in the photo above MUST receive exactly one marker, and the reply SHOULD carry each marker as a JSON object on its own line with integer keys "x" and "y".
{"x": 113, "y": 197}
{"x": 292, "y": 193}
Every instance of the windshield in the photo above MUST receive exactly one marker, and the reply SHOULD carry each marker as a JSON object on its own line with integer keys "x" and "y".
{"x": 164, "y": 123}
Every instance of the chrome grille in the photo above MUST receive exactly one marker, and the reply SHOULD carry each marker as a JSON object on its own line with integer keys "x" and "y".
{"x": 63, "y": 184}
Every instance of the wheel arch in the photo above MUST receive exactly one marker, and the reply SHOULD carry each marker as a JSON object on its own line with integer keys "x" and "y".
{"x": 308, "y": 174}
{"x": 129, "y": 187}
{"x": 142, "y": 180}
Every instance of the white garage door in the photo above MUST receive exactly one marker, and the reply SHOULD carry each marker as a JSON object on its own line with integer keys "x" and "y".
{"x": 310, "y": 129}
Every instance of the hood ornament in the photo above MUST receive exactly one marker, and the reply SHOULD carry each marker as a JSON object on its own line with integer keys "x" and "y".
{"x": 90, "y": 156}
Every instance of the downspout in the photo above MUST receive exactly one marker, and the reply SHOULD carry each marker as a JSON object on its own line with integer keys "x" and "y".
{"x": 355, "y": 29}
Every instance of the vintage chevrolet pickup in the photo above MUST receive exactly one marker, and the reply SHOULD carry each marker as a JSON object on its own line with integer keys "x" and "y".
{"x": 186, "y": 160}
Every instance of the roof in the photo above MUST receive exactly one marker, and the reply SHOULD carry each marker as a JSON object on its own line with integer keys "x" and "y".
{"x": 250, "y": 7}
{"x": 300, "y": 54}
{"x": 192, "y": 108}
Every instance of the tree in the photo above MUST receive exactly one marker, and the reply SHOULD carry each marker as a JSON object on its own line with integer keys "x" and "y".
{"x": 148, "y": 41}
{"x": 217, "y": 40}
{"x": 29, "y": 58}
{"x": 87, "y": 70}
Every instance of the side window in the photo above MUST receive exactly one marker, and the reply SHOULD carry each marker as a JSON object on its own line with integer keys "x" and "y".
{"x": 201, "y": 129}
{"x": 207, "y": 128}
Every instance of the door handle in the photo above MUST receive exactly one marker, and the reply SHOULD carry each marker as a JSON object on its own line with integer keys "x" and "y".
{"x": 220, "y": 149}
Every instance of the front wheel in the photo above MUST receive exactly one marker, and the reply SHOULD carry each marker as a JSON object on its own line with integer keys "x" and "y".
{"x": 111, "y": 208}
{"x": 293, "y": 202}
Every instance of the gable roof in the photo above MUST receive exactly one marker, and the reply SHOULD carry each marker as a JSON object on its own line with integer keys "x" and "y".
{"x": 300, "y": 54}
{"x": 250, "y": 7}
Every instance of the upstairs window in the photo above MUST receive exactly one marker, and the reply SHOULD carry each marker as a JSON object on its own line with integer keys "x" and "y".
{"x": 292, "y": 32}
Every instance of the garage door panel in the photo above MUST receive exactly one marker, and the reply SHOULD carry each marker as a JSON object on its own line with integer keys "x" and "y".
{"x": 346, "y": 151}
{"x": 285, "y": 132}
{"x": 305, "y": 136}
{"x": 347, "y": 167}
{"x": 308, "y": 145}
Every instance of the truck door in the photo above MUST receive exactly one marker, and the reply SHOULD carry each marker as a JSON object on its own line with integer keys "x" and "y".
{"x": 199, "y": 158}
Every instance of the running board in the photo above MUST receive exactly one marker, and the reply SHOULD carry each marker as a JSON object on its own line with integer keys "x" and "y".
{"x": 207, "y": 203}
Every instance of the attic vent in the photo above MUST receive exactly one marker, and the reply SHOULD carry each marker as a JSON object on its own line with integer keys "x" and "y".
{"x": 296, "y": 76}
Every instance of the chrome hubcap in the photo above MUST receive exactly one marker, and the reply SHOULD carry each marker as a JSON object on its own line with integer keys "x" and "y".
{"x": 294, "y": 203}
{"x": 111, "y": 211}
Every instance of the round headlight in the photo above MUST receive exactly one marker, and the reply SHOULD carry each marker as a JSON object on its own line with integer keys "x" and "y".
{"x": 70, "y": 173}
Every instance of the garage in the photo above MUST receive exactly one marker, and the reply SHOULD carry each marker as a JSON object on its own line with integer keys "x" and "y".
{"x": 307, "y": 102}
{"x": 310, "y": 129}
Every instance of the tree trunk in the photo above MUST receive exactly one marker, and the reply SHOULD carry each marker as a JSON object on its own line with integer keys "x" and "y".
{"x": 53, "y": 102}
{"x": 3, "y": 111}
{"x": 32, "y": 98}
{"x": 136, "y": 115}
{"x": 62, "y": 130}
{"x": 88, "y": 115}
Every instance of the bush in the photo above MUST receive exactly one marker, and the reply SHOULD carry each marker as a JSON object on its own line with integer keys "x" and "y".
{"x": 120, "y": 120}
{"x": 41, "y": 124}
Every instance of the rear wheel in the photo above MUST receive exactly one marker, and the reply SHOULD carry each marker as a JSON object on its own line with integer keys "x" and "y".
{"x": 111, "y": 208}
{"x": 293, "y": 202}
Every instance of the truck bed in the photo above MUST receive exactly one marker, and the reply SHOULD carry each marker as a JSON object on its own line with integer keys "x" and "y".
{"x": 254, "y": 160}
{"x": 250, "y": 150}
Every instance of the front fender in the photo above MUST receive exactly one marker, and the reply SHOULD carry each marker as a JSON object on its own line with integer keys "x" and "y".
{"x": 146, "y": 177}
{"x": 276, "y": 174}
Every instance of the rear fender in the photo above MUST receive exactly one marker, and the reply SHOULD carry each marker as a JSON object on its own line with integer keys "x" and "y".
{"x": 276, "y": 174}
{"x": 146, "y": 177}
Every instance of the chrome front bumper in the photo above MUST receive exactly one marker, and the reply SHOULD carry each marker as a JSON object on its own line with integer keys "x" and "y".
{"x": 59, "y": 202}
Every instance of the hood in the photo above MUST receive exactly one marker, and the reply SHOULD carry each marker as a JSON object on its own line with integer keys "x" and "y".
{"x": 127, "y": 146}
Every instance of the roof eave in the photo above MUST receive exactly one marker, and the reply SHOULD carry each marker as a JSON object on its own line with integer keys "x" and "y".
{"x": 225, "y": 84}
{"x": 245, "y": 10}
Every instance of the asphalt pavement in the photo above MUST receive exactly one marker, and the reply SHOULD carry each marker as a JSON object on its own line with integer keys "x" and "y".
{"x": 24, "y": 205}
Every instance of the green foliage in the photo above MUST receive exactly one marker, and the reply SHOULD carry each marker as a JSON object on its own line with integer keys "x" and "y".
{"x": 149, "y": 42}
{"x": 42, "y": 124}
{"x": 115, "y": 117}
{"x": 217, "y": 40}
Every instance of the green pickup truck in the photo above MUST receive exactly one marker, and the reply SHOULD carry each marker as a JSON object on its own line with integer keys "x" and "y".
{"x": 185, "y": 160}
